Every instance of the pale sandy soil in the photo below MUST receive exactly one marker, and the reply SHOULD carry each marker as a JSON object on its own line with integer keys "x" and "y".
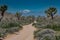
{"x": 25, "y": 34}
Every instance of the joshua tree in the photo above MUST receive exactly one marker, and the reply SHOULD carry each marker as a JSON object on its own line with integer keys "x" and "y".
{"x": 18, "y": 15}
{"x": 51, "y": 12}
{"x": 3, "y": 8}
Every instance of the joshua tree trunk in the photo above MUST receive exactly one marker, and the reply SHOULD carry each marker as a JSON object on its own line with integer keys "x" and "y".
{"x": 2, "y": 14}
{"x": 18, "y": 17}
{"x": 52, "y": 16}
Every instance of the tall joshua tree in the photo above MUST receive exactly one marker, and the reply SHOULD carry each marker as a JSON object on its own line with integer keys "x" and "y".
{"x": 18, "y": 15}
{"x": 51, "y": 12}
{"x": 3, "y": 8}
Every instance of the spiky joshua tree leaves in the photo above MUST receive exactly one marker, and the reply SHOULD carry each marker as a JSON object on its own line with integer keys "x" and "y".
{"x": 51, "y": 12}
{"x": 3, "y": 8}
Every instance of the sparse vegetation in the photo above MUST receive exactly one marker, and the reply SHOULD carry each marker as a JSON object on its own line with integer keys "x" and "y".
{"x": 46, "y": 23}
{"x": 13, "y": 23}
{"x": 54, "y": 25}
{"x": 44, "y": 34}
{"x": 57, "y": 37}
{"x": 9, "y": 27}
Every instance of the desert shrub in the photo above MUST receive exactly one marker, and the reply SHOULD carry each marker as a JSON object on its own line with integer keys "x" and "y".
{"x": 57, "y": 37}
{"x": 10, "y": 24}
{"x": 44, "y": 34}
{"x": 38, "y": 25}
{"x": 2, "y": 32}
{"x": 54, "y": 27}
{"x": 13, "y": 29}
{"x": 23, "y": 22}
{"x": 9, "y": 27}
{"x": 33, "y": 24}
{"x": 35, "y": 32}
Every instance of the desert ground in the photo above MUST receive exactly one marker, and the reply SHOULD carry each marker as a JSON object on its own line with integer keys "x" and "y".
{"x": 25, "y": 34}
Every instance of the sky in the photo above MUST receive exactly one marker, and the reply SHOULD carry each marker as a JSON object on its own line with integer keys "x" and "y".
{"x": 30, "y": 7}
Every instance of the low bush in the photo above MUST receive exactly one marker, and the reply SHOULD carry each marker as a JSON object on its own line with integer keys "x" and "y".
{"x": 54, "y": 27}
{"x": 38, "y": 25}
{"x": 57, "y": 37}
{"x": 9, "y": 27}
{"x": 2, "y": 32}
{"x": 44, "y": 34}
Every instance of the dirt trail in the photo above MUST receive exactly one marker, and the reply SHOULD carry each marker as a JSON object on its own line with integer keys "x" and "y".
{"x": 25, "y": 34}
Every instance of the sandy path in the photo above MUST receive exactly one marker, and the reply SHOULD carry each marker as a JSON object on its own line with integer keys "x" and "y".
{"x": 25, "y": 34}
